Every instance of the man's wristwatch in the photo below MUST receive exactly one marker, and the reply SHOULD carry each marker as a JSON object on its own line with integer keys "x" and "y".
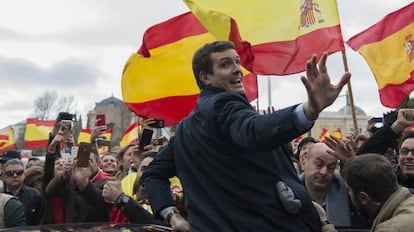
{"x": 324, "y": 223}
{"x": 171, "y": 213}
{"x": 122, "y": 201}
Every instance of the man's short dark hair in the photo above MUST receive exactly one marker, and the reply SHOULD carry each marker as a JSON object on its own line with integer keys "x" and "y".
{"x": 372, "y": 174}
{"x": 202, "y": 58}
{"x": 302, "y": 143}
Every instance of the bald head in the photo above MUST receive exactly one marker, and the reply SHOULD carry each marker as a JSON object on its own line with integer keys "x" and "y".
{"x": 318, "y": 149}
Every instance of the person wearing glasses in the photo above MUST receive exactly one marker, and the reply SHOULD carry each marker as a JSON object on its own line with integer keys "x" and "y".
{"x": 386, "y": 137}
{"x": 31, "y": 198}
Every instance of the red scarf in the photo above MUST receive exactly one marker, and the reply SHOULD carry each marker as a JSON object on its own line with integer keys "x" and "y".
{"x": 58, "y": 210}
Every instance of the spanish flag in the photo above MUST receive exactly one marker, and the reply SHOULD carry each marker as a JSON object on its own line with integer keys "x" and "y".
{"x": 7, "y": 141}
{"x": 130, "y": 135}
{"x": 273, "y": 37}
{"x": 324, "y": 133}
{"x": 388, "y": 48}
{"x": 37, "y": 133}
{"x": 85, "y": 135}
{"x": 157, "y": 81}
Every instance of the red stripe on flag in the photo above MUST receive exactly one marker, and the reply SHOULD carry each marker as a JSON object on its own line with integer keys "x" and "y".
{"x": 35, "y": 144}
{"x": 289, "y": 57}
{"x": 47, "y": 123}
{"x": 4, "y": 137}
{"x": 382, "y": 29}
{"x": 8, "y": 148}
{"x": 188, "y": 26}
{"x": 392, "y": 95}
{"x": 162, "y": 108}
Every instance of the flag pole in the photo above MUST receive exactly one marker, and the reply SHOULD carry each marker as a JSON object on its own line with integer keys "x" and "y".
{"x": 350, "y": 95}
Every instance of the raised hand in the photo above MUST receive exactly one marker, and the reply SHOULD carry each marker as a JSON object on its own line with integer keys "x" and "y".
{"x": 341, "y": 150}
{"x": 321, "y": 92}
{"x": 405, "y": 118}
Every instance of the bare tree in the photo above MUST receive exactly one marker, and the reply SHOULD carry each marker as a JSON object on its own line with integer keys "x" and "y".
{"x": 49, "y": 105}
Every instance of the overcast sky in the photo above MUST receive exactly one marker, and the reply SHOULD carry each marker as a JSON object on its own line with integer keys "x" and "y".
{"x": 79, "y": 48}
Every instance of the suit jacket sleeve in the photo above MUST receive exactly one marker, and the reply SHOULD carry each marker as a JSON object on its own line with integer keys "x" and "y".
{"x": 156, "y": 179}
{"x": 379, "y": 141}
{"x": 136, "y": 214}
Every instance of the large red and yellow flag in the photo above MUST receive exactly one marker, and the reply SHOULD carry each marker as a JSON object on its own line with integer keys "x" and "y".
{"x": 37, "y": 133}
{"x": 7, "y": 141}
{"x": 388, "y": 48}
{"x": 130, "y": 135}
{"x": 274, "y": 37}
{"x": 158, "y": 81}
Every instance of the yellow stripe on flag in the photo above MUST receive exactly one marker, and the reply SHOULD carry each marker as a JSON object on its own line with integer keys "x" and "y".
{"x": 273, "y": 37}
{"x": 263, "y": 21}
{"x": 388, "y": 58}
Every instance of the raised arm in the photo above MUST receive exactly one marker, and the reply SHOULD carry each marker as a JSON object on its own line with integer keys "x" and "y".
{"x": 321, "y": 92}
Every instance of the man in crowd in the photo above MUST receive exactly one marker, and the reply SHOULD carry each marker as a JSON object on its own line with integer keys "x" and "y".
{"x": 13, "y": 212}
{"x": 31, "y": 198}
{"x": 389, "y": 206}
{"x": 230, "y": 159}
{"x": 327, "y": 188}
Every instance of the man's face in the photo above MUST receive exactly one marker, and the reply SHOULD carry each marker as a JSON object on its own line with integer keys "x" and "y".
{"x": 406, "y": 160}
{"x": 127, "y": 158}
{"x": 227, "y": 73}
{"x": 144, "y": 163}
{"x": 109, "y": 164}
{"x": 303, "y": 151}
{"x": 13, "y": 176}
{"x": 356, "y": 202}
{"x": 319, "y": 168}
{"x": 93, "y": 163}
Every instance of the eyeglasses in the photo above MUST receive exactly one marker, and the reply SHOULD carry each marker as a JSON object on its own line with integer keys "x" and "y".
{"x": 14, "y": 172}
{"x": 405, "y": 151}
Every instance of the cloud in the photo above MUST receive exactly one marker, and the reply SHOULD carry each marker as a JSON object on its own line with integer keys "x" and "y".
{"x": 24, "y": 73}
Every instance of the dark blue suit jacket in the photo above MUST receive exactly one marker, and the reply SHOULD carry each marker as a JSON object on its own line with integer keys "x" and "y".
{"x": 229, "y": 158}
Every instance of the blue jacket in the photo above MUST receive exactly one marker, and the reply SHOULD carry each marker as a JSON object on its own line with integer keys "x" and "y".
{"x": 229, "y": 159}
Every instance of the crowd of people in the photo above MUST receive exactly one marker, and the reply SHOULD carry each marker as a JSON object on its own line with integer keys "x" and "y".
{"x": 227, "y": 168}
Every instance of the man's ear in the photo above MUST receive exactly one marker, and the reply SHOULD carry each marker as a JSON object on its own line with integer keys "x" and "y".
{"x": 364, "y": 198}
{"x": 204, "y": 78}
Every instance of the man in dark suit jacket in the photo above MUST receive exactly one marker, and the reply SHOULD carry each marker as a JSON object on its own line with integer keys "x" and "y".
{"x": 230, "y": 159}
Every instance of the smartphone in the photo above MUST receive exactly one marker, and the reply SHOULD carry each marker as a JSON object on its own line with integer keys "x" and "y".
{"x": 66, "y": 116}
{"x": 100, "y": 120}
{"x": 84, "y": 153}
{"x": 145, "y": 138}
{"x": 73, "y": 152}
{"x": 158, "y": 123}
{"x": 376, "y": 119}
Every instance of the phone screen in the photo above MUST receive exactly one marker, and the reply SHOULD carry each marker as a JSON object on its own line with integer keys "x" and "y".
{"x": 145, "y": 138}
{"x": 100, "y": 120}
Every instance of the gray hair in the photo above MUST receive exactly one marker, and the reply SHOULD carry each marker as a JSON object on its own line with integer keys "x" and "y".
{"x": 12, "y": 161}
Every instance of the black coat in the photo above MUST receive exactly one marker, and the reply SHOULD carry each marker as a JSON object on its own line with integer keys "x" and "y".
{"x": 229, "y": 158}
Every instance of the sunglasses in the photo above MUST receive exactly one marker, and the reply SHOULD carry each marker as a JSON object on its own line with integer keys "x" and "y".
{"x": 14, "y": 172}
